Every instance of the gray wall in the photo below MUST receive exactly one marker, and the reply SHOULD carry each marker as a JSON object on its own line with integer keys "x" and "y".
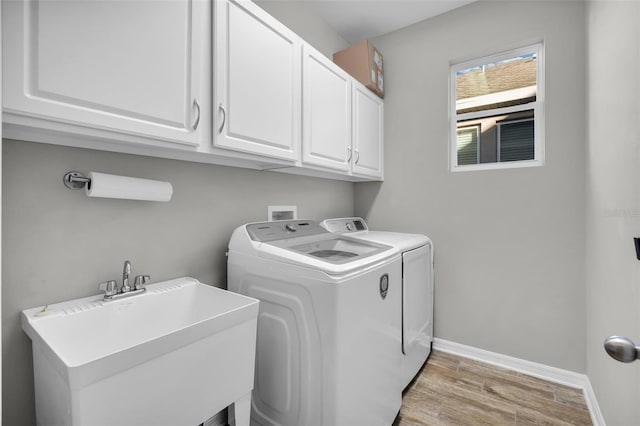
{"x": 58, "y": 244}
{"x": 300, "y": 19}
{"x": 509, "y": 244}
{"x": 613, "y": 202}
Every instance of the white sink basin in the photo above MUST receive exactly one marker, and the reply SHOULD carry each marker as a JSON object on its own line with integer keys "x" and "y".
{"x": 176, "y": 354}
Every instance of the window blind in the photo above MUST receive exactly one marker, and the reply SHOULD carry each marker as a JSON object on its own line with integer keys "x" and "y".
{"x": 517, "y": 141}
{"x": 467, "y": 146}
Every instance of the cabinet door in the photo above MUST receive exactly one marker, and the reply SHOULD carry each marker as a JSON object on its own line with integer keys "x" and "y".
{"x": 258, "y": 79}
{"x": 367, "y": 132}
{"x": 326, "y": 109}
{"x": 123, "y": 66}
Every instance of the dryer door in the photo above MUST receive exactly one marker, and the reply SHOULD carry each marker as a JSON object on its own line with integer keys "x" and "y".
{"x": 417, "y": 309}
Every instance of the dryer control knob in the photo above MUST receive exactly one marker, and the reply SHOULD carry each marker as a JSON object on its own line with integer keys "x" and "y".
{"x": 349, "y": 226}
{"x": 290, "y": 227}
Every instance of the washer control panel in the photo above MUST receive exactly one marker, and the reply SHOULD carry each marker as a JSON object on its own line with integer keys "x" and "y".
{"x": 281, "y": 230}
{"x": 345, "y": 225}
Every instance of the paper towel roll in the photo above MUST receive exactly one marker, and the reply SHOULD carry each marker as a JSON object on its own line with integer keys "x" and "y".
{"x": 128, "y": 188}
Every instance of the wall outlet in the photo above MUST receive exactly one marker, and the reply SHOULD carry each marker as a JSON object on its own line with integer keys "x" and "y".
{"x": 282, "y": 213}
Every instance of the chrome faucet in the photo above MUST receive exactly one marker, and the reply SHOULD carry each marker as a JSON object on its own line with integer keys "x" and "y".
{"x": 111, "y": 290}
{"x": 126, "y": 271}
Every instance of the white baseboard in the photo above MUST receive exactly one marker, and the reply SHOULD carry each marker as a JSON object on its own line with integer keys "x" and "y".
{"x": 592, "y": 404}
{"x": 546, "y": 372}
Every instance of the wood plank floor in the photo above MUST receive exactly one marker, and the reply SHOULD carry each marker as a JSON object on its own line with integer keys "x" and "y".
{"x": 452, "y": 390}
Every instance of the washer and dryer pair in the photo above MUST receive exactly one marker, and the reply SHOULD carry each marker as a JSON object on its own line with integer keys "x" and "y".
{"x": 330, "y": 325}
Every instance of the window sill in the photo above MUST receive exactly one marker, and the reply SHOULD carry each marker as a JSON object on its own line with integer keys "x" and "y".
{"x": 496, "y": 166}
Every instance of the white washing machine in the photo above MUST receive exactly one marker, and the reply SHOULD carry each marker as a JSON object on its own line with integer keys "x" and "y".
{"x": 328, "y": 325}
{"x": 417, "y": 288}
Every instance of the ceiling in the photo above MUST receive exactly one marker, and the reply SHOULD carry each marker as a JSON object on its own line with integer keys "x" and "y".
{"x": 356, "y": 20}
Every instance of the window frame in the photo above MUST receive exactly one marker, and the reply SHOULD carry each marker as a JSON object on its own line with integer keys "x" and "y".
{"x": 537, "y": 106}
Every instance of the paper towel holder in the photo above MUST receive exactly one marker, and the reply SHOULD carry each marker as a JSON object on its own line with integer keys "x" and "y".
{"x": 104, "y": 185}
{"x": 75, "y": 180}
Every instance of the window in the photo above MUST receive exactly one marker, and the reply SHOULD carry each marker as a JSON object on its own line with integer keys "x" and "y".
{"x": 496, "y": 111}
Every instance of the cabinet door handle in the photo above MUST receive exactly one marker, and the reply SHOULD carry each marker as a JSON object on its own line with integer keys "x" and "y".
{"x": 350, "y": 154}
{"x": 357, "y": 156}
{"x": 197, "y": 105}
{"x": 224, "y": 117}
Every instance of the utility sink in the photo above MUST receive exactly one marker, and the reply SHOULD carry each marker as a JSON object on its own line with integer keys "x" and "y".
{"x": 173, "y": 355}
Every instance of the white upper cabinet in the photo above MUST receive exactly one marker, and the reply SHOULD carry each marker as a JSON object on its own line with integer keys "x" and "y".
{"x": 367, "y": 133}
{"x": 257, "y": 95}
{"x": 326, "y": 121}
{"x": 132, "y": 67}
{"x": 169, "y": 78}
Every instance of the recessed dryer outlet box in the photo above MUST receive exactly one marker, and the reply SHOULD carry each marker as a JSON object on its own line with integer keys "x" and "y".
{"x": 282, "y": 213}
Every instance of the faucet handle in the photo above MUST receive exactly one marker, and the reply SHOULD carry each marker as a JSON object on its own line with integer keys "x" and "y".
{"x": 109, "y": 287}
{"x": 140, "y": 280}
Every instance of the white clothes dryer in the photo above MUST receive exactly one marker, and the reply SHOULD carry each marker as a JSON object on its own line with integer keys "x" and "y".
{"x": 328, "y": 324}
{"x": 417, "y": 288}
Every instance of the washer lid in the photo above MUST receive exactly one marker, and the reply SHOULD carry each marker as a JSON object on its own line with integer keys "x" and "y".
{"x": 339, "y": 250}
{"x": 306, "y": 243}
